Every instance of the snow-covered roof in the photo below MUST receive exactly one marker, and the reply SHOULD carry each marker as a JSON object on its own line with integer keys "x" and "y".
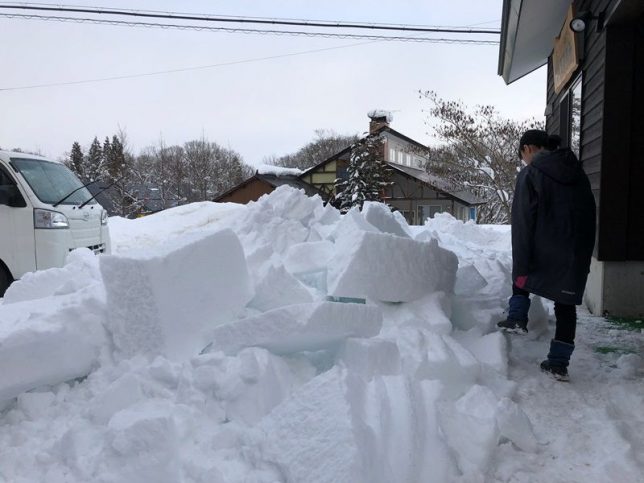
{"x": 278, "y": 170}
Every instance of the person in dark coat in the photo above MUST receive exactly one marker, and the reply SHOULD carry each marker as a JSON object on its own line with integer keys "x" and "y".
{"x": 553, "y": 237}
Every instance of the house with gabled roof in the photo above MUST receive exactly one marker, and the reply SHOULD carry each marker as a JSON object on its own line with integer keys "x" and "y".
{"x": 418, "y": 195}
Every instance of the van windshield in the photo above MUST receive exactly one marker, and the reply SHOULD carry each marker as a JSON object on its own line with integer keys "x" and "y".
{"x": 51, "y": 181}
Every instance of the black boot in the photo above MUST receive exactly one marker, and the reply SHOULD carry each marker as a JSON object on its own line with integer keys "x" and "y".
{"x": 517, "y": 321}
{"x": 558, "y": 359}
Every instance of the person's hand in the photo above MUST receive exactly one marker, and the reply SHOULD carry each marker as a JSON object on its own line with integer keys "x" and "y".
{"x": 520, "y": 281}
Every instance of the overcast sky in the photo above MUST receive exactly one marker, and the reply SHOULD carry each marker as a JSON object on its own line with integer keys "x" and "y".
{"x": 261, "y": 108}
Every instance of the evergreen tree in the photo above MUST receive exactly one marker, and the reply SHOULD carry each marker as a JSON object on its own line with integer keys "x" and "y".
{"x": 95, "y": 164}
{"x": 367, "y": 175}
{"x": 115, "y": 159}
{"x": 77, "y": 161}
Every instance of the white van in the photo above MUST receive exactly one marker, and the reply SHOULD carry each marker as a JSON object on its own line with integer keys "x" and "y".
{"x": 45, "y": 212}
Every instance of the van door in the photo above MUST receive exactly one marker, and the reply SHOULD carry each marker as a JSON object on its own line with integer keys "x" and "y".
{"x": 17, "y": 244}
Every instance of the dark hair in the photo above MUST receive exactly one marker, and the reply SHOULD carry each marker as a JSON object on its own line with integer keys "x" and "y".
{"x": 539, "y": 138}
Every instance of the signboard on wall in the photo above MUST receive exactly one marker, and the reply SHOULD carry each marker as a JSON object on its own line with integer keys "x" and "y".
{"x": 565, "y": 58}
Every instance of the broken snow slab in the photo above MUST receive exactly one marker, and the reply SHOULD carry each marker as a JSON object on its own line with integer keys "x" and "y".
{"x": 297, "y": 328}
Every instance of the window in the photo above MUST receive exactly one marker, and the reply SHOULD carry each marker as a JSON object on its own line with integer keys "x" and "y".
{"x": 427, "y": 211}
{"x": 570, "y": 116}
{"x": 52, "y": 181}
{"x": 575, "y": 117}
{"x": 392, "y": 155}
{"x": 409, "y": 216}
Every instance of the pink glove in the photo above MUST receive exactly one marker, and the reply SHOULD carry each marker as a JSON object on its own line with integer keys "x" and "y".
{"x": 520, "y": 281}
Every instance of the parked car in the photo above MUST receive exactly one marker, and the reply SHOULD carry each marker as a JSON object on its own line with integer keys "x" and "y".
{"x": 45, "y": 212}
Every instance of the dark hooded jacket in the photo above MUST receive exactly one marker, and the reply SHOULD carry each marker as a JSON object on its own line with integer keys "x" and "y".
{"x": 553, "y": 226}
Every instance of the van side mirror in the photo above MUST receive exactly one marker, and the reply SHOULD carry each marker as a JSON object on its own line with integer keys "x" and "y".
{"x": 10, "y": 196}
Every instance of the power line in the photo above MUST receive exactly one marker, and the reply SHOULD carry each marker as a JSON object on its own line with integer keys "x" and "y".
{"x": 184, "y": 69}
{"x": 124, "y": 23}
{"x": 254, "y": 20}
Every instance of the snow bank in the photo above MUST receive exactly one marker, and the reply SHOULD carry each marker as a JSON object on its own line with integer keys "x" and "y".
{"x": 167, "y": 301}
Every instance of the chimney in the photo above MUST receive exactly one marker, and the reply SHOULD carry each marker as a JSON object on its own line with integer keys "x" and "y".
{"x": 379, "y": 118}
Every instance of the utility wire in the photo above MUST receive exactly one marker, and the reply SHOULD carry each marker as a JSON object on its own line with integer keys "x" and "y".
{"x": 184, "y": 69}
{"x": 255, "y": 20}
{"x": 125, "y": 23}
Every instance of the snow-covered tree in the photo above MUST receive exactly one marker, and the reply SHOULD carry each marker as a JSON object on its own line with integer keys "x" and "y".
{"x": 326, "y": 144}
{"x": 76, "y": 161}
{"x": 95, "y": 162}
{"x": 367, "y": 175}
{"x": 479, "y": 153}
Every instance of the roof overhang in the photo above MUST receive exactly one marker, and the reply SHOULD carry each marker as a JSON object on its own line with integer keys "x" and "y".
{"x": 528, "y": 31}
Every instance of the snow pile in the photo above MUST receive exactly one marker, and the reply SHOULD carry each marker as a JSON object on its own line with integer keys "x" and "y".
{"x": 277, "y": 341}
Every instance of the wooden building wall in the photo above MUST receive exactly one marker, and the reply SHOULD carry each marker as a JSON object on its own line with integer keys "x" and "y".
{"x": 611, "y": 124}
{"x": 249, "y": 192}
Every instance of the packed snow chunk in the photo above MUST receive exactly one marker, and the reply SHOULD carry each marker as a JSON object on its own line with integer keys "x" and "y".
{"x": 468, "y": 280}
{"x": 145, "y": 441}
{"x": 35, "y": 405}
{"x": 515, "y": 425}
{"x": 380, "y": 216}
{"x": 351, "y": 225}
{"x": 308, "y": 262}
{"x": 396, "y": 417}
{"x": 50, "y": 340}
{"x": 477, "y": 310}
{"x": 278, "y": 288}
{"x": 389, "y": 268}
{"x": 296, "y": 328}
{"x": 311, "y": 436}
{"x": 471, "y": 430}
{"x": 426, "y": 355}
{"x": 121, "y": 394}
{"x": 490, "y": 349}
{"x": 254, "y": 383}
{"x": 340, "y": 428}
{"x": 166, "y": 301}
{"x": 80, "y": 271}
{"x": 290, "y": 203}
{"x": 309, "y": 257}
{"x": 371, "y": 357}
{"x": 431, "y": 312}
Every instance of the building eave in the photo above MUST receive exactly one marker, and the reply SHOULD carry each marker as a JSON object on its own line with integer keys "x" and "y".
{"x": 528, "y": 31}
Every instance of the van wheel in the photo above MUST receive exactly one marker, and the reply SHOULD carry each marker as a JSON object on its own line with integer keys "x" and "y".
{"x": 5, "y": 280}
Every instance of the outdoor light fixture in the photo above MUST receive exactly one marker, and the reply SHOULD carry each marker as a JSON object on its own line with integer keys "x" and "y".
{"x": 581, "y": 20}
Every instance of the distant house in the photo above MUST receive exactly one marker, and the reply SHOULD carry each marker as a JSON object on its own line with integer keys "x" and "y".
{"x": 263, "y": 182}
{"x": 142, "y": 199}
{"x": 417, "y": 194}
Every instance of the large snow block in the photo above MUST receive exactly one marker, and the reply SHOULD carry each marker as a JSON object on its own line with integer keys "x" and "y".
{"x": 49, "y": 341}
{"x": 296, "y": 328}
{"x": 389, "y": 268}
{"x": 167, "y": 302}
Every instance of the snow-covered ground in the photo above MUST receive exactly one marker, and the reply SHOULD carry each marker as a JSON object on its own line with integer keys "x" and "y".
{"x": 281, "y": 342}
